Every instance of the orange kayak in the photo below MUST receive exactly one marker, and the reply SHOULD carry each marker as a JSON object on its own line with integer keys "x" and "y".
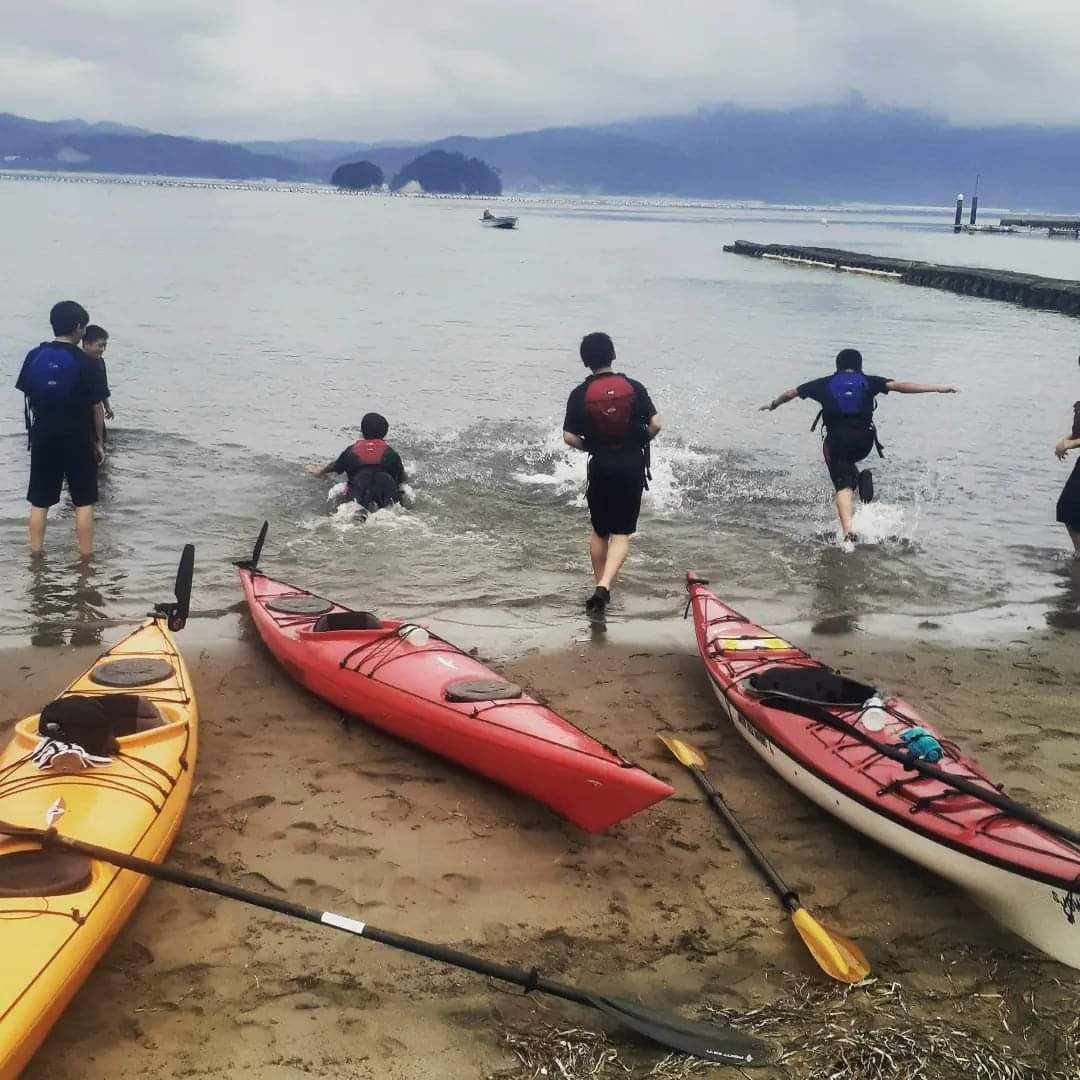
{"x": 59, "y": 912}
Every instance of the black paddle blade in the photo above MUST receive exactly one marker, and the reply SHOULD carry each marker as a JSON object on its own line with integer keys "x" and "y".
{"x": 718, "y": 1045}
{"x": 185, "y": 572}
{"x": 177, "y": 612}
{"x": 256, "y": 551}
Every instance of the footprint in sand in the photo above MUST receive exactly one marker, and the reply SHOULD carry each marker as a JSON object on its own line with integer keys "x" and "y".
{"x": 334, "y": 851}
{"x": 256, "y": 802}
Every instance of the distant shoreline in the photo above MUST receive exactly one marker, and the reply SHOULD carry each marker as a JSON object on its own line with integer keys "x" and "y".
{"x": 520, "y": 198}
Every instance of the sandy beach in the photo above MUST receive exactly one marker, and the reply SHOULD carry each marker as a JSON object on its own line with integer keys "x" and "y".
{"x": 291, "y": 800}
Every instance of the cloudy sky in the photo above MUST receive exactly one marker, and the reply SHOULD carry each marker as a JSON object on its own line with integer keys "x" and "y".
{"x": 373, "y": 69}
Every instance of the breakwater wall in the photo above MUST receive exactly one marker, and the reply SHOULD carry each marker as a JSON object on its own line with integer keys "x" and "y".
{"x": 1029, "y": 290}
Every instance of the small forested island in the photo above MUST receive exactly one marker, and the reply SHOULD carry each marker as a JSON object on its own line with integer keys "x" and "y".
{"x": 358, "y": 176}
{"x": 449, "y": 174}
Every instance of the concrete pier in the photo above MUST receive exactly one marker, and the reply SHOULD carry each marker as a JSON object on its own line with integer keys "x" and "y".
{"x": 1029, "y": 290}
{"x": 1054, "y": 225}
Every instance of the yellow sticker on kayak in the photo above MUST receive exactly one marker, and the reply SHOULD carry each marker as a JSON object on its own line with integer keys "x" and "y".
{"x": 752, "y": 644}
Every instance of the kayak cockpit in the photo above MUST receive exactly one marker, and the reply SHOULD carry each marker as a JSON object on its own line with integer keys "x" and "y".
{"x": 120, "y": 716}
{"x": 347, "y": 620}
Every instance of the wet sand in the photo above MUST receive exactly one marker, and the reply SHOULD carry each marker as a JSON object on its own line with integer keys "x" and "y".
{"x": 293, "y": 801}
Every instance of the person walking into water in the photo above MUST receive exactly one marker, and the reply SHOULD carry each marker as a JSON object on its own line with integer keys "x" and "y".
{"x": 64, "y": 414}
{"x": 848, "y": 399}
{"x": 1068, "y": 506}
{"x": 611, "y": 418}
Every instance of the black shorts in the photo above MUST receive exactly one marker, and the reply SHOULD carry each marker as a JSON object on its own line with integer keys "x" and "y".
{"x": 373, "y": 489}
{"x": 616, "y": 482}
{"x": 843, "y": 451}
{"x": 59, "y": 457}
{"x": 1068, "y": 507}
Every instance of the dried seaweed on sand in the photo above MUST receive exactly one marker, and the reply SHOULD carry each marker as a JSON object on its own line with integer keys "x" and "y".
{"x": 873, "y": 1031}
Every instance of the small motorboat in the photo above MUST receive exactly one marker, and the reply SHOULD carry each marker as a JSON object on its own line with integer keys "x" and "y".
{"x": 494, "y": 222}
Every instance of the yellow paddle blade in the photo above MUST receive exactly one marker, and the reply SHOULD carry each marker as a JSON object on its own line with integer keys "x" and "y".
{"x": 834, "y": 953}
{"x": 683, "y": 751}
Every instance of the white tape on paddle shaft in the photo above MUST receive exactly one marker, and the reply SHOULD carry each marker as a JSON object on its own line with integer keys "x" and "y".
{"x": 353, "y": 926}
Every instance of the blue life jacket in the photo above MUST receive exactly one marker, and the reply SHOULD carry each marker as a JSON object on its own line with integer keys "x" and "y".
{"x": 850, "y": 399}
{"x": 849, "y": 392}
{"x": 51, "y": 377}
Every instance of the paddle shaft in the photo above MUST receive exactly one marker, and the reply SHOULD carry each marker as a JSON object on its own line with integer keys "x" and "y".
{"x": 528, "y": 980}
{"x": 904, "y": 757}
{"x": 706, "y": 1041}
{"x": 788, "y": 897}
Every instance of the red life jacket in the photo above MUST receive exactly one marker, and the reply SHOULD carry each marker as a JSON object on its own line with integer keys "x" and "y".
{"x": 370, "y": 451}
{"x": 609, "y": 404}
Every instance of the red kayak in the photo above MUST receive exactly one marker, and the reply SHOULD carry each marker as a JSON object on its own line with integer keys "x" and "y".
{"x": 419, "y": 687}
{"x": 819, "y": 731}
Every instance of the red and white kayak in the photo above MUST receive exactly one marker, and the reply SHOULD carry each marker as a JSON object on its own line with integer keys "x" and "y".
{"x": 419, "y": 687}
{"x": 1025, "y": 876}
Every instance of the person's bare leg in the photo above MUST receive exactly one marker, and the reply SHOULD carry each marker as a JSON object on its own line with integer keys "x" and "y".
{"x": 39, "y": 516}
{"x": 598, "y": 549}
{"x": 84, "y": 530}
{"x": 618, "y": 547}
{"x": 1074, "y": 536}
{"x": 845, "y": 509}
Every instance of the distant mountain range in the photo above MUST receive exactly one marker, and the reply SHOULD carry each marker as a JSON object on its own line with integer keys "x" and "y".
{"x": 845, "y": 153}
{"x": 73, "y": 145}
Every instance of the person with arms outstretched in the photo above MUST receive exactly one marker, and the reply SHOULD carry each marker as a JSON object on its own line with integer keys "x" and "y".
{"x": 373, "y": 468}
{"x": 848, "y": 399}
{"x": 611, "y": 418}
{"x": 65, "y": 417}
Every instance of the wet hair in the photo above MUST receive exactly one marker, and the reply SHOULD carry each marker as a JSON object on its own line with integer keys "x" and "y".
{"x": 597, "y": 351}
{"x": 95, "y": 333}
{"x": 67, "y": 316}
{"x": 849, "y": 360}
{"x": 374, "y": 426}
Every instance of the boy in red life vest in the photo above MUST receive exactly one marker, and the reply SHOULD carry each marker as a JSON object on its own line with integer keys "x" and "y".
{"x": 613, "y": 420}
{"x": 847, "y": 400}
{"x": 373, "y": 469}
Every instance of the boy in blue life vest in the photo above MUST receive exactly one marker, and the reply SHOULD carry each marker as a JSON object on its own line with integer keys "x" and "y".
{"x": 847, "y": 401}
{"x": 374, "y": 471}
{"x": 612, "y": 418}
{"x": 64, "y": 415}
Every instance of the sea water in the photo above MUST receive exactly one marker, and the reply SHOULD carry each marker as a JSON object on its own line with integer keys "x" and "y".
{"x": 251, "y": 330}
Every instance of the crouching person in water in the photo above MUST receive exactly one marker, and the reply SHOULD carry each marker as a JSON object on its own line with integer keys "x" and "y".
{"x": 848, "y": 399}
{"x": 373, "y": 469}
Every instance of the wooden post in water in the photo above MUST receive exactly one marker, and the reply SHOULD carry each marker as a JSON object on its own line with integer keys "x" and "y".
{"x": 959, "y": 212}
{"x": 974, "y": 202}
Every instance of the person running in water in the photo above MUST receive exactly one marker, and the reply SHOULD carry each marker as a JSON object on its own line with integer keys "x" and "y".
{"x": 847, "y": 400}
{"x": 612, "y": 419}
{"x": 374, "y": 470}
